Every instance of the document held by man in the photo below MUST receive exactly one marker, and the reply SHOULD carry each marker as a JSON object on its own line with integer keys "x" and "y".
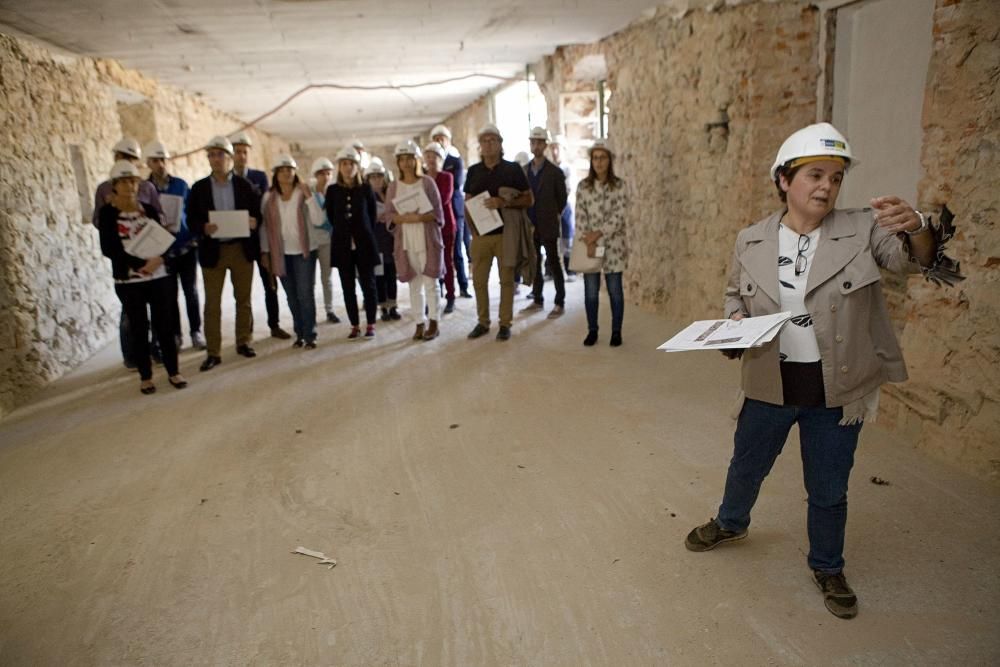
{"x": 232, "y": 224}
{"x": 172, "y": 206}
{"x": 414, "y": 202}
{"x": 151, "y": 241}
{"x": 727, "y": 334}
{"x": 485, "y": 219}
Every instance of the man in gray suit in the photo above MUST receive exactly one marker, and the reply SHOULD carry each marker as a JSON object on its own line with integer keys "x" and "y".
{"x": 548, "y": 183}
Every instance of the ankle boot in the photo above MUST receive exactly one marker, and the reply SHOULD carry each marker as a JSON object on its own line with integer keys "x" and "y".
{"x": 432, "y": 331}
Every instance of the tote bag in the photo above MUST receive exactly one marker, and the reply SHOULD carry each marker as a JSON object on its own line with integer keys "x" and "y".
{"x": 581, "y": 263}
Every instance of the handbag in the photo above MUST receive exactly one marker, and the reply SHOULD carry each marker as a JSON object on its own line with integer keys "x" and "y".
{"x": 579, "y": 262}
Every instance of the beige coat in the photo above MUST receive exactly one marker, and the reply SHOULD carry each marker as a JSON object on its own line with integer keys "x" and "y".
{"x": 857, "y": 344}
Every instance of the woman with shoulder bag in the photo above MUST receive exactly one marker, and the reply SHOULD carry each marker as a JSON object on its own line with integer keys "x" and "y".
{"x": 601, "y": 211}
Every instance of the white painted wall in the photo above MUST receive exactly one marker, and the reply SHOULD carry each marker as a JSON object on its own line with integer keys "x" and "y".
{"x": 881, "y": 57}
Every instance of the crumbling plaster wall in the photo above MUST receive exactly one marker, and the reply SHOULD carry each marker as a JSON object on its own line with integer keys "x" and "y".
{"x": 702, "y": 98}
{"x": 60, "y": 117}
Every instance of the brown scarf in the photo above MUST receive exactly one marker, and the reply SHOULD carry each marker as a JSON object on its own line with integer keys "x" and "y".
{"x": 272, "y": 220}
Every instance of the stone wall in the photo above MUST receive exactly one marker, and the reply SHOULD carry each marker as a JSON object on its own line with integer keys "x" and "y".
{"x": 60, "y": 116}
{"x": 951, "y": 404}
{"x": 703, "y": 95}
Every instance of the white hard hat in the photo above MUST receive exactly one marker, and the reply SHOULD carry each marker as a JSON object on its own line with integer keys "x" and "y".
{"x": 284, "y": 160}
{"x": 558, "y": 139}
{"x": 124, "y": 169}
{"x": 127, "y": 146}
{"x": 601, "y": 144}
{"x": 522, "y": 158}
{"x": 489, "y": 128}
{"x": 348, "y": 153}
{"x": 441, "y": 130}
{"x": 357, "y": 144}
{"x": 242, "y": 138}
{"x": 322, "y": 163}
{"x": 377, "y": 160}
{"x": 540, "y": 133}
{"x": 819, "y": 140}
{"x": 435, "y": 147}
{"x": 375, "y": 168}
{"x": 406, "y": 148}
{"x": 156, "y": 149}
{"x": 219, "y": 142}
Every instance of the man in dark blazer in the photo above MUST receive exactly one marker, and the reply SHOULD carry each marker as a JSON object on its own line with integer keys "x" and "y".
{"x": 463, "y": 237}
{"x": 548, "y": 184}
{"x": 241, "y": 156}
{"x": 223, "y": 190}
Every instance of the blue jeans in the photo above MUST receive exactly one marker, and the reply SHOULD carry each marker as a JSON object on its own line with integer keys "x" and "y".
{"x": 591, "y": 285}
{"x": 299, "y": 281}
{"x": 827, "y": 459}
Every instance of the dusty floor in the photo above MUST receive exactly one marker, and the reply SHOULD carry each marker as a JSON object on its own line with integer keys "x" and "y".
{"x": 489, "y": 504}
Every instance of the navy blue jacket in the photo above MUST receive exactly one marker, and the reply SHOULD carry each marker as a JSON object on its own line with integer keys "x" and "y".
{"x": 200, "y": 202}
{"x": 352, "y": 213}
{"x": 257, "y": 178}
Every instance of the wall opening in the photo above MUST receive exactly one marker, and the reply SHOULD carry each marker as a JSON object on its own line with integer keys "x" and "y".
{"x": 880, "y": 108}
{"x": 517, "y": 109}
{"x": 83, "y": 187}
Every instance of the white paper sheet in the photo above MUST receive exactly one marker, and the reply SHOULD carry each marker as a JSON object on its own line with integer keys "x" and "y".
{"x": 727, "y": 334}
{"x": 485, "y": 219}
{"x": 323, "y": 558}
{"x": 172, "y": 206}
{"x": 415, "y": 201}
{"x": 232, "y": 224}
{"x": 151, "y": 241}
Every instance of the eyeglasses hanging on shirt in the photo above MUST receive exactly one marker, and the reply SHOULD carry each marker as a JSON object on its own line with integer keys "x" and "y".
{"x": 800, "y": 259}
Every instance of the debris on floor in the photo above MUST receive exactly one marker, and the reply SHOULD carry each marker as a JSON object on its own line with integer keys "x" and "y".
{"x": 324, "y": 559}
{"x": 453, "y": 426}
{"x": 879, "y": 481}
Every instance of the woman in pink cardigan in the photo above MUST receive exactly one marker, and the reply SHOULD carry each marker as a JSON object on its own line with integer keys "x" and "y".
{"x": 413, "y": 209}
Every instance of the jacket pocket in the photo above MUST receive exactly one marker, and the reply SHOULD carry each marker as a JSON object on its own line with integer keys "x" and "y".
{"x": 861, "y": 272}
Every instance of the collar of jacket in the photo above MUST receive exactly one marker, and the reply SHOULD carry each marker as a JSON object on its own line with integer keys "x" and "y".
{"x": 839, "y": 243}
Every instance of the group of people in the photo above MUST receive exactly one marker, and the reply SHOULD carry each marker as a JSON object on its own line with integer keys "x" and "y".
{"x": 375, "y": 225}
{"x": 818, "y": 262}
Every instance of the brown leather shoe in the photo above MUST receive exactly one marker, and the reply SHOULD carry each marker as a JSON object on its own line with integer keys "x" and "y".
{"x": 419, "y": 333}
{"x": 432, "y": 331}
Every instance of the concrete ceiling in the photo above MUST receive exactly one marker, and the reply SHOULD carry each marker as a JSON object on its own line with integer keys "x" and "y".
{"x": 247, "y": 57}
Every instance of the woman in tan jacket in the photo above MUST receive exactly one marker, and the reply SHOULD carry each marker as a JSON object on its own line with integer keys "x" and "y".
{"x": 824, "y": 370}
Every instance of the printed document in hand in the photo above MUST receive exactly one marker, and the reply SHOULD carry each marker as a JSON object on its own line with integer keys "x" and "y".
{"x": 727, "y": 334}
{"x": 232, "y": 224}
{"x": 414, "y": 202}
{"x": 485, "y": 219}
{"x": 151, "y": 241}
{"x": 172, "y": 206}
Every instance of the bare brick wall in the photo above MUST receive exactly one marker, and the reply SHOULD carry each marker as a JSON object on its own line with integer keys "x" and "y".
{"x": 60, "y": 117}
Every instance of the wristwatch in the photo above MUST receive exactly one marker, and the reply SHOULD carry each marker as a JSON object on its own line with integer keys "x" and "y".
{"x": 923, "y": 225}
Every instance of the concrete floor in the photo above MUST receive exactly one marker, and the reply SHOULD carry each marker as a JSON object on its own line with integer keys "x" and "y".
{"x": 489, "y": 504}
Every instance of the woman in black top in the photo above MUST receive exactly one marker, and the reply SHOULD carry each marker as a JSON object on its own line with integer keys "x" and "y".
{"x": 351, "y": 209}
{"x": 139, "y": 282}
